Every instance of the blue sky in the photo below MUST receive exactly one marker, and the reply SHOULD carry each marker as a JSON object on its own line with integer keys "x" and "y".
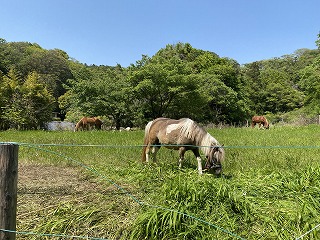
{"x": 110, "y": 32}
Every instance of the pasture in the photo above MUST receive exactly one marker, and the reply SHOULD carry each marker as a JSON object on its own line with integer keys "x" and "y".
{"x": 93, "y": 184}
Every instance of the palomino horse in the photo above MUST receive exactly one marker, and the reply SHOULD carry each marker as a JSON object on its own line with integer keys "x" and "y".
{"x": 183, "y": 135}
{"x": 261, "y": 120}
{"x": 86, "y": 123}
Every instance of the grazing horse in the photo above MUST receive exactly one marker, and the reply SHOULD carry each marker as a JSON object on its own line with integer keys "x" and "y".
{"x": 183, "y": 135}
{"x": 86, "y": 123}
{"x": 261, "y": 120}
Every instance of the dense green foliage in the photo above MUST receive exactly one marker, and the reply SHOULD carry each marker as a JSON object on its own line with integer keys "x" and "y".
{"x": 178, "y": 81}
{"x": 264, "y": 193}
{"x": 25, "y": 103}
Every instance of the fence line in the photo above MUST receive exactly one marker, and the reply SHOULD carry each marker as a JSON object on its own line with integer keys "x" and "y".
{"x": 120, "y": 188}
{"x": 52, "y": 235}
{"x": 168, "y": 145}
{"x": 38, "y": 147}
{"x": 305, "y": 234}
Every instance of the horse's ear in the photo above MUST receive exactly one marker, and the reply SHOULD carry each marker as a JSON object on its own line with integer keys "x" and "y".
{"x": 217, "y": 149}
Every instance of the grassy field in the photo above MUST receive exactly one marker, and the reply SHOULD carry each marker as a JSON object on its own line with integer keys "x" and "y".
{"x": 270, "y": 187}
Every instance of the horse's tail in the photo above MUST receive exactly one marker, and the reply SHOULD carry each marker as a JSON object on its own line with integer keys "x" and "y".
{"x": 146, "y": 140}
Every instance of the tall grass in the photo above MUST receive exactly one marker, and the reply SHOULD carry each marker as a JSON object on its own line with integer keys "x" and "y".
{"x": 264, "y": 193}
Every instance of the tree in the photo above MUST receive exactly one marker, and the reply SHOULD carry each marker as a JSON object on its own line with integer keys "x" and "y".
{"x": 278, "y": 85}
{"x": 180, "y": 81}
{"x": 163, "y": 88}
{"x": 26, "y": 104}
{"x": 100, "y": 91}
{"x": 114, "y": 97}
{"x": 318, "y": 41}
{"x": 310, "y": 84}
{"x": 38, "y": 102}
{"x": 224, "y": 103}
{"x": 51, "y": 65}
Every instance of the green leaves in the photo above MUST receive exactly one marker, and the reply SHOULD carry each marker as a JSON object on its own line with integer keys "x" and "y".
{"x": 310, "y": 83}
{"x": 178, "y": 81}
{"x": 26, "y": 105}
{"x": 99, "y": 91}
{"x": 182, "y": 81}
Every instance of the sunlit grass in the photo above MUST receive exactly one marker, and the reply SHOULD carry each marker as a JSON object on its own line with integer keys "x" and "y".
{"x": 269, "y": 188}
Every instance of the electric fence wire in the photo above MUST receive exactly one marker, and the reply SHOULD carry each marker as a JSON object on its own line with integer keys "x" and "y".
{"x": 39, "y": 147}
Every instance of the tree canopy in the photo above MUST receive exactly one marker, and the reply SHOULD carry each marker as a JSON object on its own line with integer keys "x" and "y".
{"x": 178, "y": 81}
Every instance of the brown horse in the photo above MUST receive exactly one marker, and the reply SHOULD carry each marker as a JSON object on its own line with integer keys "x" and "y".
{"x": 183, "y": 135}
{"x": 261, "y": 120}
{"x": 86, "y": 123}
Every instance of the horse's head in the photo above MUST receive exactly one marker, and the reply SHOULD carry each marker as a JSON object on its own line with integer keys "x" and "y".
{"x": 214, "y": 159}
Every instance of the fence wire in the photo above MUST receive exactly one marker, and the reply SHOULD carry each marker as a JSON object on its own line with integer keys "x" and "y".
{"x": 95, "y": 172}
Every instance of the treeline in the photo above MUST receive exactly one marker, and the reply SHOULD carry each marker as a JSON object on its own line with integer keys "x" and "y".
{"x": 178, "y": 81}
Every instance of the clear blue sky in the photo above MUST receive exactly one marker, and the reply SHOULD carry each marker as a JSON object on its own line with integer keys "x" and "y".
{"x": 107, "y": 32}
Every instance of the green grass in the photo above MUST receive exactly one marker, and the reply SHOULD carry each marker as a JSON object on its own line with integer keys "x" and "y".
{"x": 264, "y": 193}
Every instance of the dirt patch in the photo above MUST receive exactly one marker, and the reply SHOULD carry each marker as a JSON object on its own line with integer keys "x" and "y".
{"x": 53, "y": 184}
{"x": 48, "y": 179}
{"x": 44, "y": 190}
{"x": 42, "y": 187}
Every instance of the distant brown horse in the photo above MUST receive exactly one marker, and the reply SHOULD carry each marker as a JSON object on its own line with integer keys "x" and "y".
{"x": 86, "y": 123}
{"x": 183, "y": 135}
{"x": 261, "y": 120}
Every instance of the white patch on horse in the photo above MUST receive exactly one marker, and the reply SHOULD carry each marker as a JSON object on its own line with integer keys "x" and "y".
{"x": 171, "y": 128}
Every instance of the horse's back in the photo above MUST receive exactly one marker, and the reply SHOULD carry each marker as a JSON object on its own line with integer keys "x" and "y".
{"x": 258, "y": 119}
{"x": 161, "y": 124}
{"x": 88, "y": 122}
{"x": 171, "y": 131}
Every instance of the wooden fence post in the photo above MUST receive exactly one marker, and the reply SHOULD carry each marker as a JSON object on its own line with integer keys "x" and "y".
{"x": 8, "y": 189}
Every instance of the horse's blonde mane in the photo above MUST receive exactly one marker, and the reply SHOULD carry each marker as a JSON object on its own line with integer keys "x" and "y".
{"x": 195, "y": 132}
{"x": 188, "y": 129}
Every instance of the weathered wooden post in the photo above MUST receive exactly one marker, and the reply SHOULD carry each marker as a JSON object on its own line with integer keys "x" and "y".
{"x": 8, "y": 189}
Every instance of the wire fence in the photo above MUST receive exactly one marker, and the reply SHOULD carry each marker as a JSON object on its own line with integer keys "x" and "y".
{"x": 39, "y": 147}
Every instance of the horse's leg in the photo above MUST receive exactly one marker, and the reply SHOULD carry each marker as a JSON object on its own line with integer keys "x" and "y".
{"x": 199, "y": 160}
{"x": 154, "y": 153}
{"x": 182, "y": 151}
{"x": 155, "y": 146}
{"x": 147, "y": 151}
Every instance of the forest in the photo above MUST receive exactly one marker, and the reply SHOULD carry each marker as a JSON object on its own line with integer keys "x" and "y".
{"x": 178, "y": 81}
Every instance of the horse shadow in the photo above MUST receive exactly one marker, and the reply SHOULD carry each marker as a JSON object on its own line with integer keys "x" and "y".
{"x": 189, "y": 164}
{"x": 221, "y": 175}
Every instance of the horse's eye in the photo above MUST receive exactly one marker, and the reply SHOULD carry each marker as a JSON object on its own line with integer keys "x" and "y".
{"x": 207, "y": 156}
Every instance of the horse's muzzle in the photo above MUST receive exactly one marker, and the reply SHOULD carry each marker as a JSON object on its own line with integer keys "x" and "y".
{"x": 215, "y": 168}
